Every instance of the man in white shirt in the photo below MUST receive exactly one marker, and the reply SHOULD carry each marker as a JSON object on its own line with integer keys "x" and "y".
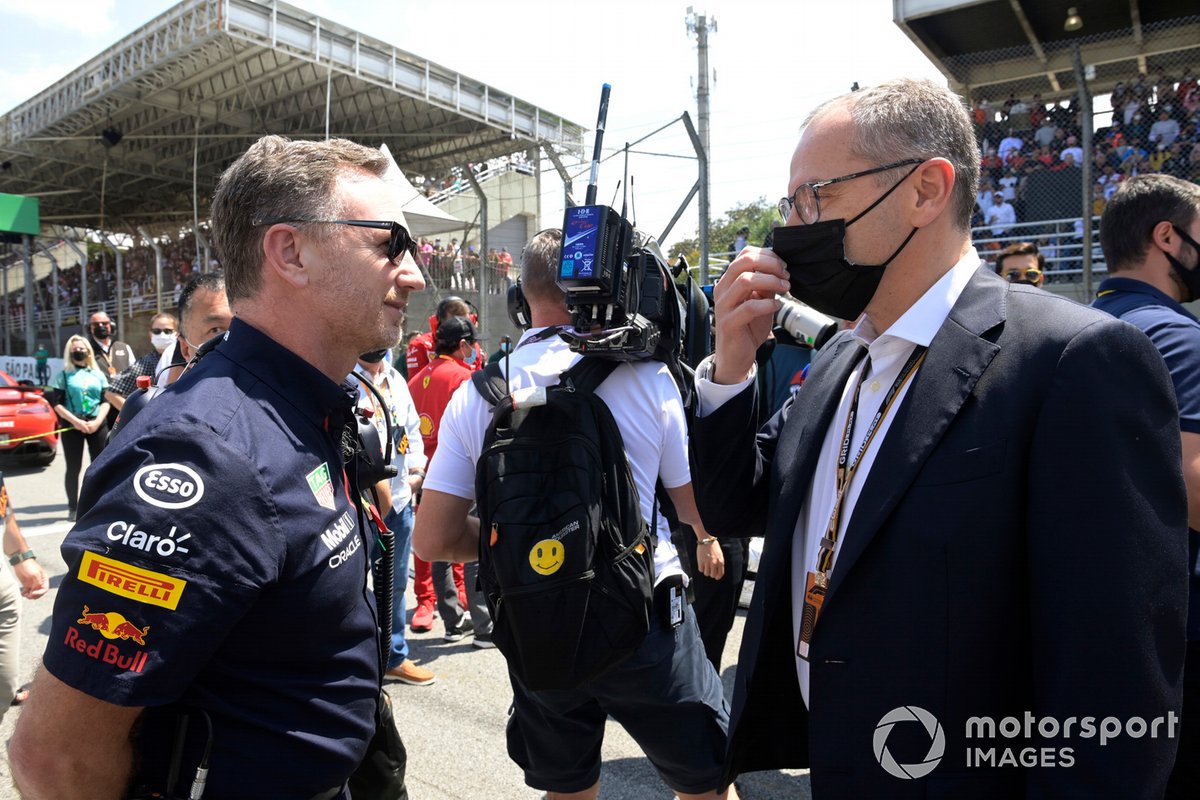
{"x": 666, "y": 695}
{"x": 1001, "y": 215}
{"x": 1073, "y": 150}
{"x": 1009, "y": 144}
{"x": 1165, "y": 131}
{"x": 396, "y": 495}
{"x": 950, "y": 535}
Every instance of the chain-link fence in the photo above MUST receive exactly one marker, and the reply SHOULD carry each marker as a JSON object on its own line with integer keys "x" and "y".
{"x": 1052, "y": 155}
{"x": 72, "y": 280}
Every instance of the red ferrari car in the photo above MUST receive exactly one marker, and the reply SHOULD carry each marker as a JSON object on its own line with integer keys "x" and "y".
{"x": 27, "y": 423}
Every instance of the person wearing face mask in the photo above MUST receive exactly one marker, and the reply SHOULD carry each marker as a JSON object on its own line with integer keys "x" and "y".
{"x": 457, "y": 351}
{"x": 973, "y": 507}
{"x": 112, "y": 357}
{"x": 1150, "y": 234}
{"x": 80, "y": 390}
{"x": 163, "y": 330}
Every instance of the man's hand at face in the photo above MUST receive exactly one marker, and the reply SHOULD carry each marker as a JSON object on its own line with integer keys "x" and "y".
{"x": 745, "y": 306}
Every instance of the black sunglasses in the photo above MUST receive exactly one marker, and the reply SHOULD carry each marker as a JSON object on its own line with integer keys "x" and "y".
{"x": 162, "y": 330}
{"x": 400, "y": 241}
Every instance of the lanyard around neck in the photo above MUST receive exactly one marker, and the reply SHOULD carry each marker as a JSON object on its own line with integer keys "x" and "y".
{"x": 846, "y": 468}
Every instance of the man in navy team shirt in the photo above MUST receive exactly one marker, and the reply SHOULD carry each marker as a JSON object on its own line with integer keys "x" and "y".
{"x": 219, "y": 566}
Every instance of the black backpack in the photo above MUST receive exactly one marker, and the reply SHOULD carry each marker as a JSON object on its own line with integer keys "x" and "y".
{"x": 566, "y": 560}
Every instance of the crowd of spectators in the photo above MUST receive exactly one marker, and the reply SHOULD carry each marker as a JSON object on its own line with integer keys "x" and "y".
{"x": 453, "y": 267}
{"x": 1153, "y": 129}
{"x": 453, "y": 181}
{"x": 179, "y": 262}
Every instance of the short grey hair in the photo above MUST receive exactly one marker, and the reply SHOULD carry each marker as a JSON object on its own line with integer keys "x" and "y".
{"x": 909, "y": 118}
{"x": 539, "y": 267}
{"x": 278, "y": 178}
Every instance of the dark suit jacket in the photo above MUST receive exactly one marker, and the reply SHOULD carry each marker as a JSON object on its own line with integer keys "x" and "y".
{"x": 1020, "y": 545}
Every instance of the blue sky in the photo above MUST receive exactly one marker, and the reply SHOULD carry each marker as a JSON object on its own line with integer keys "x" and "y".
{"x": 773, "y": 62}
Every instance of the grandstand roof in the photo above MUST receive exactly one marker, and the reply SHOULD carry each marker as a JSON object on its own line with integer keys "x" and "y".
{"x": 197, "y": 84}
{"x": 996, "y": 47}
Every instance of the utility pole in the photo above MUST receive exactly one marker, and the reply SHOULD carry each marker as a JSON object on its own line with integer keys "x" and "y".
{"x": 700, "y": 25}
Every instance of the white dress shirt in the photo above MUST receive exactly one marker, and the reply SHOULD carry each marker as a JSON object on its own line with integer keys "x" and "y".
{"x": 888, "y": 352}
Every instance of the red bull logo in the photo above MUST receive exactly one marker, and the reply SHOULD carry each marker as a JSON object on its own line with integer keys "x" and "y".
{"x": 113, "y": 625}
{"x": 106, "y": 652}
{"x": 130, "y": 582}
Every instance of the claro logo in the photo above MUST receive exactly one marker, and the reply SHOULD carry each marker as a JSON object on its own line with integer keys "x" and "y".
{"x": 168, "y": 485}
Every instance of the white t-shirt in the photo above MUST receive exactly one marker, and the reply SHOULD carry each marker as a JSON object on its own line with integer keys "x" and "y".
{"x": 1008, "y": 187}
{"x": 642, "y": 397}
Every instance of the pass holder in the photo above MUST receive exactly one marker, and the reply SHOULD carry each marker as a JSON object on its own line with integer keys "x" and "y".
{"x": 815, "y": 586}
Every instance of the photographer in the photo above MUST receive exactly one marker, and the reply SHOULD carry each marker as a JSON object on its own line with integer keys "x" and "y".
{"x": 215, "y": 620}
{"x": 666, "y": 695}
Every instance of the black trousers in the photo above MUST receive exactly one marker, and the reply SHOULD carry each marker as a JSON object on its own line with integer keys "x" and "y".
{"x": 72, "y": 445}
{"x": 716, "y": 602}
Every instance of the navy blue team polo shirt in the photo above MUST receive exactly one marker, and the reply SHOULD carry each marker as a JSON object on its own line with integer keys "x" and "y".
{"x": 219, "y": 564}
{"x": 1175, "y": 331}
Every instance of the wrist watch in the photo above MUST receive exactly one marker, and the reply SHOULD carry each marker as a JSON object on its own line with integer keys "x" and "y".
{"x": 17, "y": 558}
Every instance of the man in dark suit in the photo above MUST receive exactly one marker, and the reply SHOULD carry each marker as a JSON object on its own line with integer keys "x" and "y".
{"x": 974, "y": 513}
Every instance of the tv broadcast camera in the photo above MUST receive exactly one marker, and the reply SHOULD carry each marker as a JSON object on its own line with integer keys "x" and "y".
{"x": 623, "y": 299}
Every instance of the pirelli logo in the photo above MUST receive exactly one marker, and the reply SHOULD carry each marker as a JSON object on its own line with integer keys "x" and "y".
{"x": 134, "y": 583}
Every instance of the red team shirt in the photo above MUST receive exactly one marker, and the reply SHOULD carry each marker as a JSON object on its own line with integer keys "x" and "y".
{"x": 431, "y": 390}
{"x": 421, "y": 351}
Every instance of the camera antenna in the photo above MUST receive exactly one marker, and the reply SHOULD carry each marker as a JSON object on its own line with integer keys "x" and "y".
{"x": 590, "y": 198}
{"x": 632, "y": 205}
{"x": 614, "y": 200}
{"x": 625, "y": 197}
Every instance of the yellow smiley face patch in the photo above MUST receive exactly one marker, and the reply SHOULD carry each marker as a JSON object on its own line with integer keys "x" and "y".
{"x": 546, "y": 556}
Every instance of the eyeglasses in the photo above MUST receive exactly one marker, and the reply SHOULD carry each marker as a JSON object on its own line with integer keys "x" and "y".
{"x": 162, "y": 330}
{"x": 1031, "y": 275}
{"x": 400, "y": 241}
{"x": 808, "y": 204}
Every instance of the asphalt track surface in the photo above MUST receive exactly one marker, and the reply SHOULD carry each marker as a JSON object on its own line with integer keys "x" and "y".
{"x": 453, "y": 729}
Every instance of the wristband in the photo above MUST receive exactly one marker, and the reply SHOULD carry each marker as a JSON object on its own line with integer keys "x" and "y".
{"x": 17, "y": 558}
{"x": 705, "y": 541}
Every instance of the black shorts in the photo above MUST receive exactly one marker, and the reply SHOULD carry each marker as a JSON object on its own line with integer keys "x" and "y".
{"x": 667, "y": 696}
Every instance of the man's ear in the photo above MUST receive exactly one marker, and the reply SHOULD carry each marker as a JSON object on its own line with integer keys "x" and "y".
{"x": 934, "y": 183}
{"x": 1164, "y": 237}
{"x": 283, "y": 247}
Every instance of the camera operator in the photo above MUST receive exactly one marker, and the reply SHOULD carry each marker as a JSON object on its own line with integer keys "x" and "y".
{"x": 217, "y": 579}
{"x": 1150, "y": 234}
{"x": 666, "y": 695}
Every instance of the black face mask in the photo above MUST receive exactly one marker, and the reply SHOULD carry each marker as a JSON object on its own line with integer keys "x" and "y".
{"x": 1190, "y": 277}
{"x": 101, "y": 331}
{"x": 79, "y": 355}
{"x": 374, "y": 357}
{"x": 817, "y": 267}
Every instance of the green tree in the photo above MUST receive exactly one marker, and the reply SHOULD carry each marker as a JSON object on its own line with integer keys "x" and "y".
{"x": 759, "y": 216}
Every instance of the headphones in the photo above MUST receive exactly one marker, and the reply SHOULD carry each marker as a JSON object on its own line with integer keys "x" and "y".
{"x": 441, "y": 311}
{"x": 518, "y": 307}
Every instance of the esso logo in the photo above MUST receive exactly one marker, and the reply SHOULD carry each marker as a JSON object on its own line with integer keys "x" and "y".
{"x": 168, "y": 485}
